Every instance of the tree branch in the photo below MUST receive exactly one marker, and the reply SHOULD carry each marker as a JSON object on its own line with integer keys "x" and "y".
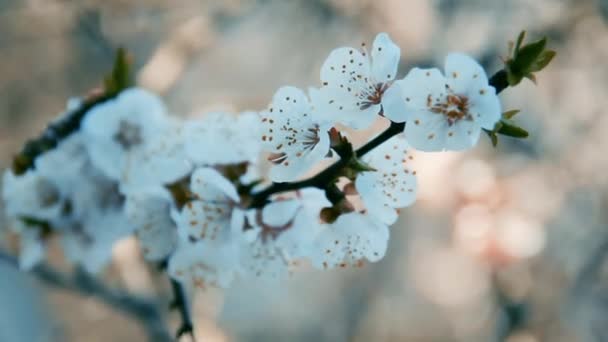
{"x": 180, "y": 302}
{"x": 259, "y": 199}
{"x": 53, "y": 134}
{"x": 146, "y": 311}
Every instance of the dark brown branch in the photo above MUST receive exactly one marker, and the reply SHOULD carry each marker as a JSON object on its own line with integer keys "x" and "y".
{"x": 180, "y": 302}
{"x": 322, "y": 179}
{"x": 53, "y": 134}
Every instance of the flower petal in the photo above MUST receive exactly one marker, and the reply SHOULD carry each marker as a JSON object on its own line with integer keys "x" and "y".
{"x": 419, "y": 84}
{"x": 464, "y": 73}
{"x": 385, "y": 58}
{"x": 210, "y": 185}
{"x": 393, "y": 104}
{"x": 426, "y": 131}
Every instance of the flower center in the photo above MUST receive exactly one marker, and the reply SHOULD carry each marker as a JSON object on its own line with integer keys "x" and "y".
{"x": 48, "y": 193}
{"x": 128, "y": 135}
{"x": 306, "y": 138}
{"x": 372, "y": 95}
{"x": 454, "y": 107}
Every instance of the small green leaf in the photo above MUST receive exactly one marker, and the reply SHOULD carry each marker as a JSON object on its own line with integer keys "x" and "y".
{"x": 493, "y": 137}
{"x": 511, "y": 130}
{"x": 510, "y": 113}
{"x": 531, "y": 77}
{"x": 542, "y": 60}
{"x": 520, "y": 40}
{"x": 527, "y": 56}
{"x": 120, "y": 77}
{"x": 513, "y": 78}
{"x": 360, "y": 166}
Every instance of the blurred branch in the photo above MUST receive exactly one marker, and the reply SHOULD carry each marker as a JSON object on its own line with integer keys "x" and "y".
{"x": 512, "y": 314}
{"x": 180, "y": 302}
{"x": 591, "y": 269}
{"x": 146, "y": 311}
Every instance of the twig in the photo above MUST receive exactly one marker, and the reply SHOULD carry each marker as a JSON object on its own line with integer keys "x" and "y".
{"x": 180, "y": 302}
{"x": 53, "y": 134}
{"x": 512, "y": 314}
{"x": 498, "y": 81}
{"x": 146, "y": 311}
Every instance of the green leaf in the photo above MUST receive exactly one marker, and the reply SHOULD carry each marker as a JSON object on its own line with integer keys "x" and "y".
{"x": 520, "y": 40}
{"x": 360, "y": 166}
{"x": 120, "y": 77}
{"x": 542, "y": 61}
{"x": 493, "y": 137}
{"x": 531, "y": 77}
{"x": 510, "y": 114}
{"x": 511, "y": 130}
{"x": 527, "y": 56}
{"x": 513, "y": 78}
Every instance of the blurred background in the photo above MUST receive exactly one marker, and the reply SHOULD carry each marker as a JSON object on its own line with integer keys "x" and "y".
{"x": 504, "y": 244}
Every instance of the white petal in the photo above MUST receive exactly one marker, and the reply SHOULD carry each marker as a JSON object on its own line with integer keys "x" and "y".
{"x": 198, "y": 265}
{"x": 343, "y": 67}
{"x": 135, "y": 107}
{"x": 290, "y": 110}
{"x": 419, "y": 84}
{"x": 463, "y": 135}
{"x": 349, "y": 240}
{"x": 385, "y": 58}
{"x": 298, "y": 241}
{"x": 393, "y": 104}
{"x": 392, "y": 185}
{"x": 210, "y": 185}
{"x": 162, "y": 161}
{"x": 344, "y": 105}
{"x": 485, "y": 107}
{"x": 204, "y": 221}
{"x": 294, "y": 166}
{"x": 32, "y": 249}
{"x": 347, "y": 84}
{"x": 150, "y": 216}
{"x": 279, "y": 213}
{"x": 426, "y": 131}
{"x": 464, "y": 73}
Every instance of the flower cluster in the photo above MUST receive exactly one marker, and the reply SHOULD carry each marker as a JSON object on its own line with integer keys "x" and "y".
{"x": 196, "y": 193}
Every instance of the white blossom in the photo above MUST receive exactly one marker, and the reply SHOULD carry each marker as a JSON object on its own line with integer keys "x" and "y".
{"x": 283, "y": 233}
{"x": 118, "y": 129}
{"x": 210, "y": 231}
{"x": 392, "y": 185}
{"x": 351, "y": 239}
{"x": 161, "y": 161}
{"x": 32, "y": 245}
{"x": 149, "y": 213}
{"x": 89, "y": 242}
{"x": 223, "y": 138}
{"x": 356, "y": 88}
{"x": 447, "y": 112}
{"x": 298, "y": 240}
{"x": 295, "y": 137}
{"x": 214, "y": 210}
{"x": 66, "y": 196}
{"x": 30, "y": 195}
{"x": 200, "y": 264}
